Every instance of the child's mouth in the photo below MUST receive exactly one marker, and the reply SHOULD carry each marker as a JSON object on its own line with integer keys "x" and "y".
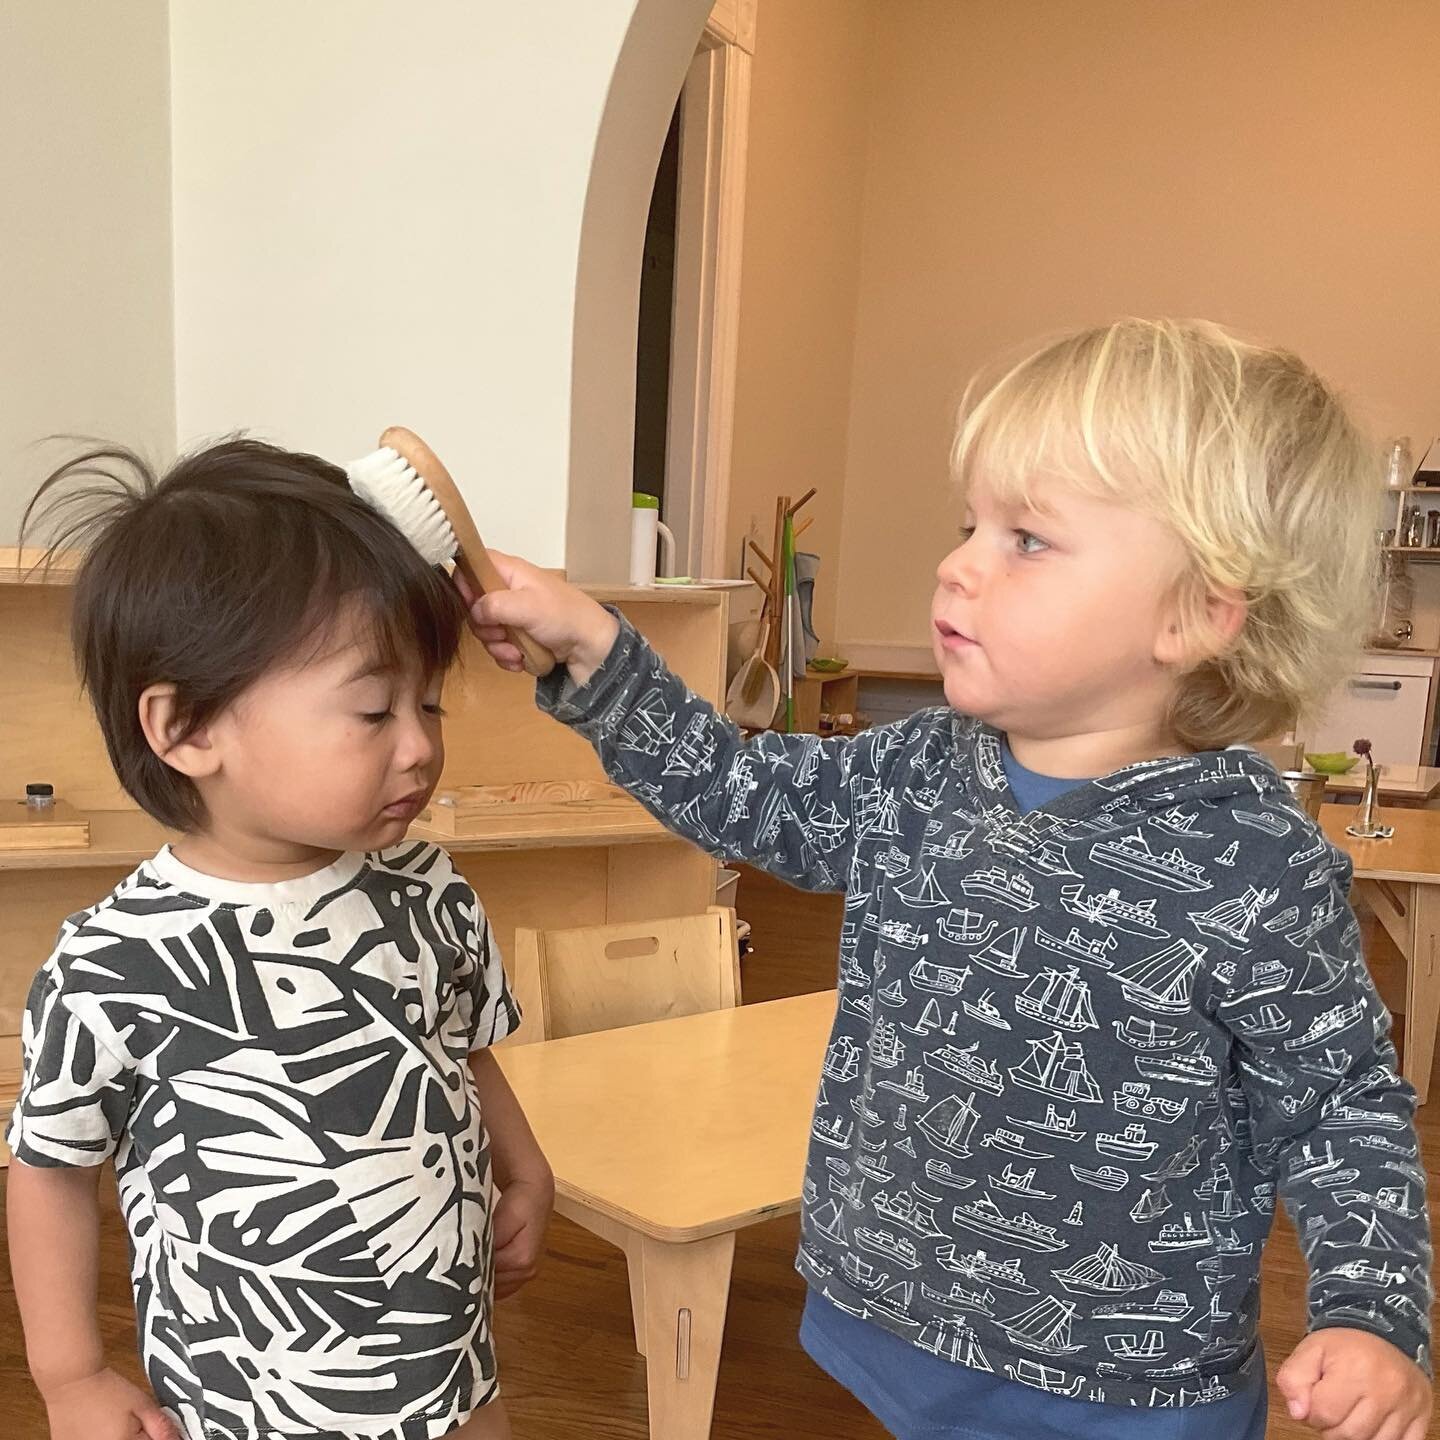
{"x": 951, "y": 638}
{"x": 406, "y": 808}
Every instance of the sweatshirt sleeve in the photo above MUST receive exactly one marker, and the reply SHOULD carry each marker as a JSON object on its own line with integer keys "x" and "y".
{"x": 784, "y": 803}
{"x": 1326, "y": 1101}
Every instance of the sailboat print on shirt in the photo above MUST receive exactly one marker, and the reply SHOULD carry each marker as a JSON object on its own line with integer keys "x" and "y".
{"x": 1057, "y": 1067}
{"x": 1163, "y": 981}
{"x": 922, "y": 891}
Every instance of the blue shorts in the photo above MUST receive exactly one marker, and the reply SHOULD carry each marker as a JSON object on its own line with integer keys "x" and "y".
{"x": 918, "y": 1396}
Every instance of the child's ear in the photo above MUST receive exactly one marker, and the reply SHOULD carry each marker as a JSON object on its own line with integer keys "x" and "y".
{"x": 191, "y": 754}
{"x": 1186, "y": 640}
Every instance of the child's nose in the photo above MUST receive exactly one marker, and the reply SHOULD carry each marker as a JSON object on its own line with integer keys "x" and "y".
{"x": 418, "y": 747}
{"x": 958, "y": 570}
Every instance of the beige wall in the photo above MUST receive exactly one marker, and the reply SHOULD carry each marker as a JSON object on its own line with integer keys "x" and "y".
{"x": 801, "y": 273}
{"x": 86, "y": 329}
{"x": 378, "y": 219}
{"x": 1038, "y": 166}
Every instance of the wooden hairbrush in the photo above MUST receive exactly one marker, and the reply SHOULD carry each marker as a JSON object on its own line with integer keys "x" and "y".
{"x": 405, "y": 481}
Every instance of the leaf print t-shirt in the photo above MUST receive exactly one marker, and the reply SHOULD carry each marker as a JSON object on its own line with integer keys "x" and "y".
{"x": 280, "y": 1072}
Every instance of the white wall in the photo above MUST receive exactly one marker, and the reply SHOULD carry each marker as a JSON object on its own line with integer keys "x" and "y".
{"x": 85, "y": 262}
{"x": 378, "y": 217}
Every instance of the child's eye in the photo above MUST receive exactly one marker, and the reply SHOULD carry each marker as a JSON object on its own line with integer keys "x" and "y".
{"x": 437, "y": 710}
{"x": 376, "y": 717}
{"x": 966, "y": 533}
{"x": 1030, "y": 544}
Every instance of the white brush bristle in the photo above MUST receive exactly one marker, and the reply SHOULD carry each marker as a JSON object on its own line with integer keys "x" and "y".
{"x": 386, "y": 481}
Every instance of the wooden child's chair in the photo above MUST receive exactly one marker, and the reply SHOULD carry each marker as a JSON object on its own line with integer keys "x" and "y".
{"x": 605, "y": 977}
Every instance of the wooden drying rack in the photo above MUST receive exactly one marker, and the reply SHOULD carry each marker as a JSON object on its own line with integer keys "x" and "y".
{"x": 772, "y": 585}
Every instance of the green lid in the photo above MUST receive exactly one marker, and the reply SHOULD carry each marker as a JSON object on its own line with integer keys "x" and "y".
{"x": 641, "y": 501}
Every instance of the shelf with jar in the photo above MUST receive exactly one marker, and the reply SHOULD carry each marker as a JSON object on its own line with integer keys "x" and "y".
{"x": 1415, "y": 531}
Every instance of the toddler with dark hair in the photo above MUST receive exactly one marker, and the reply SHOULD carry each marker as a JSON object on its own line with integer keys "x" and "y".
{"x": 279, "y": 1025}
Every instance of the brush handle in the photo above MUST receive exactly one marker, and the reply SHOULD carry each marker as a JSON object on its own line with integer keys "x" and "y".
{"x": 472, "y": 559}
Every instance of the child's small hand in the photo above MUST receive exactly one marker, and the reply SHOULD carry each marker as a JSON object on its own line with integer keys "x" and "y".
{"x": 521, "y": 1216}
{"x": 105, "y": 1406}
{"x": 565, "y": 620}
{"x": 1351, "y": 1385}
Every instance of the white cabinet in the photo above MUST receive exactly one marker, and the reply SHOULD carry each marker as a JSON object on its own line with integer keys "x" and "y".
{"x": 1386, "y": 702}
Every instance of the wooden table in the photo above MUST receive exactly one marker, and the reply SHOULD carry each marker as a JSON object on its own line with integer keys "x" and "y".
{"x": 1399, "y": 879}
{"x": 1403, "y": 784}
{"x": 716, "y": 1117}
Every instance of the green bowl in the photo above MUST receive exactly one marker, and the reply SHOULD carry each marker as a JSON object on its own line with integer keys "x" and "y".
{"x": 1334, "y": 762}
{"x": 827, "y": 666}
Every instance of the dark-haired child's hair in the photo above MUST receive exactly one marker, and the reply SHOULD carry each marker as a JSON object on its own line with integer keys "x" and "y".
{"x": 234, "y": 560}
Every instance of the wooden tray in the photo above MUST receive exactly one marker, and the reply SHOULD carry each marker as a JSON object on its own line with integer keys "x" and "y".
{"x": 59, "y": 827}
{"x": 590, "y": 806}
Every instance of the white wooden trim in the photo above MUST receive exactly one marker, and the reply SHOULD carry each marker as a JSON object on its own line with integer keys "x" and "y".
{"x": 733, "y": 22}
{"x": 710, "y": 221}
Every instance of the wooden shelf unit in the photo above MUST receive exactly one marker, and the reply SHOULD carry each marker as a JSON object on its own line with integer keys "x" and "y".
{"x": 545, "y": 872}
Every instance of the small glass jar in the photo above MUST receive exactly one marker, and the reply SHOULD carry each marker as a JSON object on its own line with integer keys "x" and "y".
{"x": 40, "y": 797}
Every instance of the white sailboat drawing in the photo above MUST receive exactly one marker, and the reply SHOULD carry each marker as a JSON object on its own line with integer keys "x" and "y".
{"x": 1057, "y": 1067}
{"x": 1232, "y": 920}
{"x": 952, "y": 1340}
{"x": 950, "y": 1122}
{"x": 930, "y": 1019}
{"x": 1323, "y": 972}
{"x": 1001, "y": 954}
{"x": 922, "y": 891}
{"x": 1060, "y": 998}
{"x": 842, "y": 1059}
{"x": 1163, "y": 981}
{"x": 1106, "y": 1273}
{"x": 1044, "y": 1327}
{"x": 1151, "y": 1205}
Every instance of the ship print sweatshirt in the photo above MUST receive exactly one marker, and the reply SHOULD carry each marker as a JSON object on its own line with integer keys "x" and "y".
{"x": 1078, "y": 1053}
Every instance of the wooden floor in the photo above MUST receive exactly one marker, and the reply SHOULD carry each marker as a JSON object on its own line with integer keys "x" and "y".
{"x": 568, "y": 1363}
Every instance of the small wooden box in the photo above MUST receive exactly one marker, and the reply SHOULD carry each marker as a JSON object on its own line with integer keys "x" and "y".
{"x": 57, "y": 827}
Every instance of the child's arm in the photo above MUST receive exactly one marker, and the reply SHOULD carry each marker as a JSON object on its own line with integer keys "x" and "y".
{"x": 1333, "y": 1097}
{"x": 74, "y": 1099}
{"x": 522, "y": 1176}
{"x": 781, "y": 802}
{"x": 53, "y": 1217}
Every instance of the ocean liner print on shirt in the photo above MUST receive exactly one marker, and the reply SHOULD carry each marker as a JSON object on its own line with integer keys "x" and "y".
{"x": 301, "y": 1161}
{"x": 1078, "y": 1053}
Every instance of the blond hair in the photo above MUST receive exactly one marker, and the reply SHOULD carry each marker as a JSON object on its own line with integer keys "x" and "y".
{"x": 1253, "y": 462}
